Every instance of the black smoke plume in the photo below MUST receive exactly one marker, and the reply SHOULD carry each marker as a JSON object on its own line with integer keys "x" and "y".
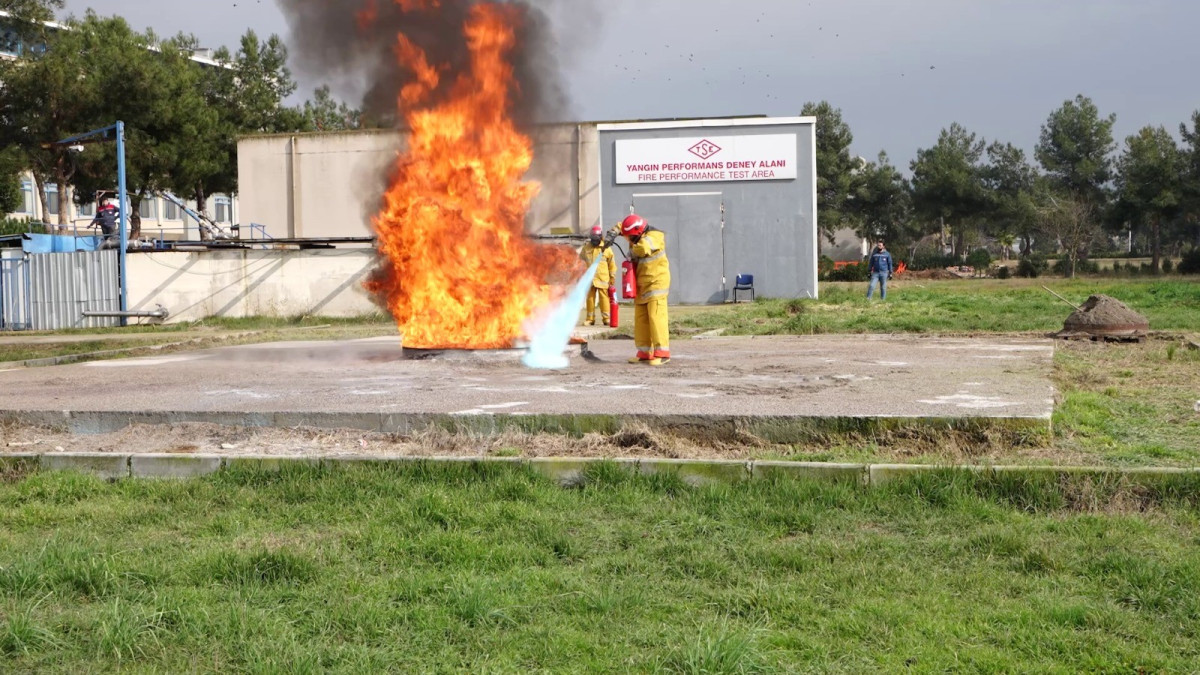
{"x": 350, "y": 44}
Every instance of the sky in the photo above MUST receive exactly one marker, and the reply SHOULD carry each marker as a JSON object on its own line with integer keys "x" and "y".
{"x": 899, "y": 71}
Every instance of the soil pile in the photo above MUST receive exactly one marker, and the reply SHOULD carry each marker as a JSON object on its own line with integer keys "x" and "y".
{"x": 1105, "y": 317}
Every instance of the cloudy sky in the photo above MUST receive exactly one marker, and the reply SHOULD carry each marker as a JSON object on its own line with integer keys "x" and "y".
{"x": 899, "y": 71}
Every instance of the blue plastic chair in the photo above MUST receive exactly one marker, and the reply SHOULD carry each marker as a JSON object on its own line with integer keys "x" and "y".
{"x": 744, "y": 282}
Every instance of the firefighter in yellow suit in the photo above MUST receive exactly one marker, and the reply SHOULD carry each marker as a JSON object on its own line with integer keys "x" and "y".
{"x": 606, "y": 275}
{"x": 648, "y": 251}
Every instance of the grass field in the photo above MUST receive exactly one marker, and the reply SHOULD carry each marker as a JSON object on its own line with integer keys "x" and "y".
{"x": 417, "y": 568}
{"x": 949, "y": 308}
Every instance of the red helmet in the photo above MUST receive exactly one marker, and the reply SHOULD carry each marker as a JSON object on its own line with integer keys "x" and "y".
{"x": 597, "y": 231}
{"x": 634, "y": 226}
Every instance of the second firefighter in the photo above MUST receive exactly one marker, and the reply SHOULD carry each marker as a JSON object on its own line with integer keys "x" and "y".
{"x": 606, "y": 275}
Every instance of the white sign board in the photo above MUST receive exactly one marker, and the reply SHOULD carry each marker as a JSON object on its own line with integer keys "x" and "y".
{"x": 706, "y": 159}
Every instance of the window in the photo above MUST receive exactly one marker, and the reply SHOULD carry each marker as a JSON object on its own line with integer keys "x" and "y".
{"x": 10, "y": 42}
{"x": 87, "y": 210}
{"x": 171, "y": 211}
{"x": 27, "y": 197}
{"x": 52, "y": 201}
{"x": 149, "y": 208}
{"x": 224, "y": 210}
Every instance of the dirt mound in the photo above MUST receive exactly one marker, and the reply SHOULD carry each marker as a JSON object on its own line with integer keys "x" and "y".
{"x": 1105, "y": 317}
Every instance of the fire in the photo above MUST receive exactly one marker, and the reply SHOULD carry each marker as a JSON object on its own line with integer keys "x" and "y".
{"x": 459, "y": 271}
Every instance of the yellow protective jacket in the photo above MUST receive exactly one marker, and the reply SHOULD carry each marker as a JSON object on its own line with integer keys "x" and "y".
{"x": 606, "y": 273}
{"x": 653, "y": 270}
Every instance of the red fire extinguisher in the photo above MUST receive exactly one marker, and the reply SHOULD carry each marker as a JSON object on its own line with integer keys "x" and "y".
{"x": 614, "y": 309}
{"x": 628, "y": 280}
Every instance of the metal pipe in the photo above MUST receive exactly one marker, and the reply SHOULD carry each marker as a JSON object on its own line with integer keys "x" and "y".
{"x": 123, "y": 202}
{"x": 160, "y": 313}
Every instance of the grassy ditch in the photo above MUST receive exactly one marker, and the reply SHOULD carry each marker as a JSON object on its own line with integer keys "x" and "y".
{"x": 421, "y": 568}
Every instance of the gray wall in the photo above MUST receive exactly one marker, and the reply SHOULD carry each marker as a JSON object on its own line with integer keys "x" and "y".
{"x": 770, "y": 227}
{"x": 332, "y": 184}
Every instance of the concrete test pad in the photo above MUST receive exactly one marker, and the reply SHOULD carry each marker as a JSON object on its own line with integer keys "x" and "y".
{"x": 776, "y": 388}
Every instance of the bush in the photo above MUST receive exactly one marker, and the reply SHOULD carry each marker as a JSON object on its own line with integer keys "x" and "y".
{"x": 980, "y": 259}
{"x": 851, "y": 272}
{"x": 1004, "y": 272}
{"x": 1167, "y": 266}
{"x": 1062, "y": 267}
{"x": 824, "y": 266}
{"x": 1190, "y": 263}
{"x": 1031, "y": 267}
{"x": 1116, "y": 268}
{"x": 9, "y": 226}
{"x": 931, "y": 261}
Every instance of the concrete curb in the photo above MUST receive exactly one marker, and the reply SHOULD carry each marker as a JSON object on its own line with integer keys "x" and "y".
{"x": 568, "y": 472}
{"x": 786, "y": 430}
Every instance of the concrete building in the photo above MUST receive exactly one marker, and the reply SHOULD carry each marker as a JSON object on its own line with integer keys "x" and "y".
{"x": 755, "y": 214}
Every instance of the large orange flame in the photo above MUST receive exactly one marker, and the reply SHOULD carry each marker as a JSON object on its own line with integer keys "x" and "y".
{"x": 460, "y": 272}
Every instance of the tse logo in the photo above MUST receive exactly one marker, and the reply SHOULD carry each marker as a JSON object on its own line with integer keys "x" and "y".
{"x": 704, "y": 149}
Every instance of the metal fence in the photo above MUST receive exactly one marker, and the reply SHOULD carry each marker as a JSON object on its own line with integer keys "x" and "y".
{"x": 60, "y": 286}
{"x": 15, "y": 308}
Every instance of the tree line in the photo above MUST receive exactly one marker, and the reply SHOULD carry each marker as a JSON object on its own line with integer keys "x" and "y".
{"x": 183, "y": 114}
{"x": 1083, "y": 193}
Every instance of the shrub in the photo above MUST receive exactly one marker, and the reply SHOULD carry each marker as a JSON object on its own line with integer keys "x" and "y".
{"x": 9, "y": 226}
{"x": 980, "y": 259}
{"x": 1116, "y": 268}
{"x": 824, "y": 266}
{"x": 1062, "y": 267}
{"x": 1004, "y": 272}
{"x": 1167, "y": 266}
{"x": 1031, "y": 267}
{"x": 851, "y": 272}
{"x": 931, "y": 261}
{"x": 1190, "y": 263}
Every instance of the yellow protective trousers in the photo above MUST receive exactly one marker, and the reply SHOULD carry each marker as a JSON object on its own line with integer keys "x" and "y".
{"x": 597, "y": 297}
{"x": 650, "y": 330}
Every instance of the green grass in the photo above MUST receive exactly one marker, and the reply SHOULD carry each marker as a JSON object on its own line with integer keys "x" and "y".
{"x": 948, "y": 308}
{"x": 1129, "y": 404}
{"x": 416, "y": 568}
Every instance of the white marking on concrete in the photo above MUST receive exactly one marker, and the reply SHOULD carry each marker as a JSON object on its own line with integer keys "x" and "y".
{"x": 711, "y": 394}
{"x": 504, "y": 406}
{"x": 897, "y": 364}
{"x": 136, "y": 363}
{"x": 970, "y": 402}
{"x": 244, "y": 393}
{"x": 470, "y": 413}
{"x": 626, "y": 387}
{"x": 368, "y": 392}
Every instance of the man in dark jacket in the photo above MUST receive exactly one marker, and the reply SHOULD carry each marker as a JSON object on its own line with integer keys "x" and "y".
{"x": 106, "y": 219}
{"x": 880, "y": 269}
